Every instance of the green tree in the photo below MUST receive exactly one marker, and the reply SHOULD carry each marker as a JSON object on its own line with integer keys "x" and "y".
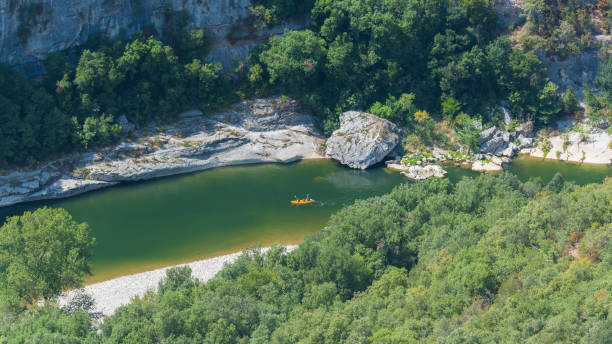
{"x": 294, "y": 59}
{"x": 549, "y": 104}
{"x": 96, "y": 132}
{"x": 41, "y": 253}
{"x": 451, "y": 107}
{"x": 570, "y": 101}
{"x": 604, "y": 80}
{"x": 398, "y": 110}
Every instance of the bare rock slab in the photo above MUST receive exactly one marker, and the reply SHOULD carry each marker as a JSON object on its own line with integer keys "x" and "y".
{"x": 362, "y": 140}
{"x": 424, "y": 172}
{"x": 270, "y": 130}
{"x": 484, "y": 166}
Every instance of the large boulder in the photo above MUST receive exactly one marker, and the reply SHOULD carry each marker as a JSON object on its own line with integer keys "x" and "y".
{"x": 525, "y": 129}
{"x": 362, "y": 140}
{"x": 492, "y": 140}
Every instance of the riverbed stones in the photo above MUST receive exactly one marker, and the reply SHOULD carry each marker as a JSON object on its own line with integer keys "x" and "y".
{"x": 417, "y": 172}
{"x": 507, "y": 116}
{"x": 191, "y": 113}
{"x": 362, "y": 140}
{"x": 603, "y": 124}
{"x": 525, "y": 142}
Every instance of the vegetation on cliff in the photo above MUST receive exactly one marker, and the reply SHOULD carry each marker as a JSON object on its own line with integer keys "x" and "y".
{"x": 485, "y": 260}
{"x": 75, "y": 108}
{"x": 446, "y": 56}
{"x": 434, "y": 67}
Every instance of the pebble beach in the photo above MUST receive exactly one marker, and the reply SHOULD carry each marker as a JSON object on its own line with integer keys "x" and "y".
{"x": 112, "y": 294}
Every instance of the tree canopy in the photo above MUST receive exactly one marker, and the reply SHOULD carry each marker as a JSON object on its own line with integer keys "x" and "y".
{"x": 41, "y": 253}
{"x": 486, "y": 260}
{"x": 355, "y": 55}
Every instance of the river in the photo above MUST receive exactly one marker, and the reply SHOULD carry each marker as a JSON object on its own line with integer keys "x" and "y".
{"x": 146, "y": 225}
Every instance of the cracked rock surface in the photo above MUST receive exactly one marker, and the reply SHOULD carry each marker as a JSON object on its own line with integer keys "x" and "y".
{"x": 362, "y": 140}
{"x": 271, "y": 130}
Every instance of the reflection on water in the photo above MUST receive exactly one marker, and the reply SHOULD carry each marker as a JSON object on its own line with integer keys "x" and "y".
{"x": 355, "y": 179}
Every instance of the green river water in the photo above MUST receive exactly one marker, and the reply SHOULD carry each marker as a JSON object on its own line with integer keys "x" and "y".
{"x": 146, "y": 225}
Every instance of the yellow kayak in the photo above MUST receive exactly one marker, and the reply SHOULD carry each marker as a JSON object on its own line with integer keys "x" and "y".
{"x": 295, "y": 201}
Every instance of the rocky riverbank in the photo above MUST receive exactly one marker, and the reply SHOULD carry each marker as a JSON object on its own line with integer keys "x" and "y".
{"x": 112, "y": 294}
{"x": 272, "y": 130}
{"x": 576, "y": 141}
{"x": 276, "y": 130}
{"x": 573, "y": 140}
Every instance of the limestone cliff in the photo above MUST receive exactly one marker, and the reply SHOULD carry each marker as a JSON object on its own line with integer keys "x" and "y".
{"x": 30, "y": 29}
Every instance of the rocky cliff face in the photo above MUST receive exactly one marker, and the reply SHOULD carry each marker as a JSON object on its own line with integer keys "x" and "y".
{"x": 30, "y": 29}
{"x": 575, "y": 71}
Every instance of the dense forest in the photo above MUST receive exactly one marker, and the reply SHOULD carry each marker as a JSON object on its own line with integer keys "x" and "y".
{"x": 486, "y": 260}
{"x": 448, "y": 61}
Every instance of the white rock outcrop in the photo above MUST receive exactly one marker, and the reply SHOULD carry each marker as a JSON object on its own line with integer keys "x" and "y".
{"x": 362, "y": 140}
{"x": 591, "y": 148}
{"x": 424, "y": 172}
{"x": 486, "y": 166}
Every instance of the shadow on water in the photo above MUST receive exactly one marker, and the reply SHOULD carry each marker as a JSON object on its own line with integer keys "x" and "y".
{"x": 144, "y": 225}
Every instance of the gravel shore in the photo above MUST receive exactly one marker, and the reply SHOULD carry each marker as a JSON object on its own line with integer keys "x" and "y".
{"x": 112, "y": 294}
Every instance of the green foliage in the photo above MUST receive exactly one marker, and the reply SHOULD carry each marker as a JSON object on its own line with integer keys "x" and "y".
{"x": 95, "y": 132}
{"x": 564, "y": 26}
{"x": 75, "y": 107}
{"x": 570, "y": 101}
{"x": 41, "y": 253}
{"x": 295, "y": 59}
{"x": 604, "y": 80}
{"x": 32, "y": 127}
{"x": 48, "y": 324}
{"x": 468, "y": 134}
{"x": 188, "y": 44}
{"x": 366, "y": 54}
{"x": 549, "y": 104}
{"x": 399, "y": 110}
{"x": 451, "y": 107}
{"x": 271, "y": 12}
{"x": 485, "y": 260}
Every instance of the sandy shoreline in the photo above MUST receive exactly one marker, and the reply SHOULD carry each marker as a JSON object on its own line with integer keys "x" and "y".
{"x": 112, "y": 294}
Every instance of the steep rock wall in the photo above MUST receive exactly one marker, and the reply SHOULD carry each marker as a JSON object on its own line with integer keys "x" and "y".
{"x": 30, "y": 29}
